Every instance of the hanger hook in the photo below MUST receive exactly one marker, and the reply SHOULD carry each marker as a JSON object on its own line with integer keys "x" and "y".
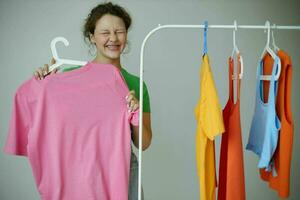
{"x": 267, "y": 24}
{"x": 235, "y": 29}
{"x": 53, "y": 45}
{"x": 235, "y": 25}
{"x": 274, "y": 26}
{"x": 273, "y": 39}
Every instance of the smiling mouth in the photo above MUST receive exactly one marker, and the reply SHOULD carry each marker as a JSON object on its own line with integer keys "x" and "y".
{"x": 113, "y": 47}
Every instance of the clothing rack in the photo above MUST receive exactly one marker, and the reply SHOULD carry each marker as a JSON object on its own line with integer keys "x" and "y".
{"x": 235, "y": 26}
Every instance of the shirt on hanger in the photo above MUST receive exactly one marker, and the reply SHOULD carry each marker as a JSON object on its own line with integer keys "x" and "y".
{"x": 283, "y": 153}
{"x": 265, "y": 123}
{"x": 231, "y": 169}
{"x": 209, "y": 119}
{"x": 75, "y": 129}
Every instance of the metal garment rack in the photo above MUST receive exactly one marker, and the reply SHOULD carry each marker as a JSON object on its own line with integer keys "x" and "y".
{"x": 266, "y": 26}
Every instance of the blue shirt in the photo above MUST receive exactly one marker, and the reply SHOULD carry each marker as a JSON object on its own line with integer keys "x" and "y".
{"x": 265, "y": 123}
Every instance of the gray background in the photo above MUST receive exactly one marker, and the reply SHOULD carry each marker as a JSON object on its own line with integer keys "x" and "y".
{"x": 172, "y": 61}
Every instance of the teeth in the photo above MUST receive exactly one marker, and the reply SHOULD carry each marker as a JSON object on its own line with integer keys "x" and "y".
{"x": 112, "y": 46}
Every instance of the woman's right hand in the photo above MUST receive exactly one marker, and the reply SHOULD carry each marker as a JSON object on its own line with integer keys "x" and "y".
{"x": 41, "y": 72}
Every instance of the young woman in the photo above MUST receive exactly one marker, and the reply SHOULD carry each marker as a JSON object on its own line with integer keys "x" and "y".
{"x": 106, "y": 29}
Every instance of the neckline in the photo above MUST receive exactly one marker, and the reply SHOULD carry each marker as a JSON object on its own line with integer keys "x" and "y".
{"x": 81, "y": 70}
{"x": 73, "y": 72}
{"x": 106, "y": 64}
{"x": 261, "y": 86}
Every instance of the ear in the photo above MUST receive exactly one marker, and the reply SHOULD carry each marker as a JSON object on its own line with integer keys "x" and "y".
{"x": 92, "y": 38}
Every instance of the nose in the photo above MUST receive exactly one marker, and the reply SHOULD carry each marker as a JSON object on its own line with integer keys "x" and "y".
{"x": 113, "y": 37}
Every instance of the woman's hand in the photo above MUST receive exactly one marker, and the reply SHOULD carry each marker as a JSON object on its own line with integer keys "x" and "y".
{"x": 133, "y": 105}
{"x": 41, "y": 72}
{"x": 132, "y": 102}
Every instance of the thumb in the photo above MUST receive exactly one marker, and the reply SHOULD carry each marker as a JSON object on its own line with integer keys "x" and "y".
{"x": 53, "y": 61}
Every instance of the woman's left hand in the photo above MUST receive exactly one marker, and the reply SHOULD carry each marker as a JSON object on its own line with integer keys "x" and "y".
{"x": 132, "y": 102}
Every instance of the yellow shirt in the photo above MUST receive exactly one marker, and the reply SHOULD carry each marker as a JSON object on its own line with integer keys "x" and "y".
{"x": 209, "y": 124}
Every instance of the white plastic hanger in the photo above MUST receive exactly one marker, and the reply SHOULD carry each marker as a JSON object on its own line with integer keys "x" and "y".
{"x": 276, "y": 48}
{"x": 60, "y": 61}
{"x": 237, "y": 52}
{"x": 267, "y": 49}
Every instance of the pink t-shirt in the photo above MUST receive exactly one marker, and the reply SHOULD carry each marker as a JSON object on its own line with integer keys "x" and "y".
{"x": 75, "y": 129}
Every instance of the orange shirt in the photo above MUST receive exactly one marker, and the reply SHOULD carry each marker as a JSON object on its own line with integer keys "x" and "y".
{"x": 283, "y": 153}
{"x": 231, "y": 171}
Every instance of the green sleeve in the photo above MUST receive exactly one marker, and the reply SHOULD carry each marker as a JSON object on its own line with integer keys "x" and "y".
{"x": 146, "y": 100}
{"x": 70, "y": 68}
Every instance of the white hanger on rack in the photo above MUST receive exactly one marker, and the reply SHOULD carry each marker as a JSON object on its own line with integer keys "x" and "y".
{"x": 60, "y": 61}
{"x": 237, "y": 52}
{"x": 276, "y": 48}
{"x": 267, "y": 49}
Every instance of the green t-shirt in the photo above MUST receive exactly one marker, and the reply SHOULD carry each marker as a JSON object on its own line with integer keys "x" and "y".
{"x": 133, "y": 83}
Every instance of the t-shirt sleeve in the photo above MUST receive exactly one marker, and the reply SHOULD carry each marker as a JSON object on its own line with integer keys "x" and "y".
{"x": 17, "y": 138}
{"x": 212, "y": 120}
{"x": 210, "y": 111}
{"x": 146, "y": 100}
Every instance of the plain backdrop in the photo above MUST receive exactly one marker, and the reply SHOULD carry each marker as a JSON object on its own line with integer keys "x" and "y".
{"x": 172, "y": 62}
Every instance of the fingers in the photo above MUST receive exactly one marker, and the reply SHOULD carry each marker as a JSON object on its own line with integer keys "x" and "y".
{"x": 45, "y": 70}
{"x": 36, "y": 75}
{"x": 135, "y": 107}
{"x": 130, "y": 96}
{"x": 132, "y": 102}
{"x": 41, "y": 72}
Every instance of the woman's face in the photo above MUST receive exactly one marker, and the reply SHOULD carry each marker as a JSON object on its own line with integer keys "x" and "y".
{"x": 110, "y": 36}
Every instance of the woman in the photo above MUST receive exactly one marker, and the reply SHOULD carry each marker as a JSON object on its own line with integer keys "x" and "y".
{"x": 106, "y": 28}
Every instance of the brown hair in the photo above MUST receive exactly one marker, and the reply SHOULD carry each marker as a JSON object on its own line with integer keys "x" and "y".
{"x": 101, "y": 10}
